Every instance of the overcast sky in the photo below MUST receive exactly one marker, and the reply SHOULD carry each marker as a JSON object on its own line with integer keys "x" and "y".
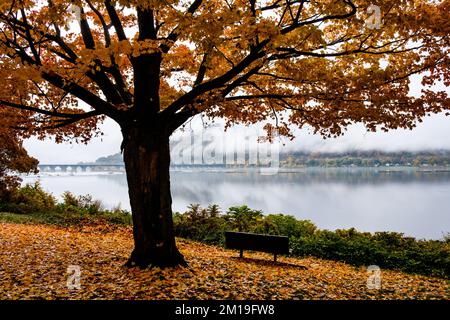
{"x": 432, "y": 133}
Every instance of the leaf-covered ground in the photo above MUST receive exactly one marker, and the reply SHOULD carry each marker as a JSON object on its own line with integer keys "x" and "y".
{"x": 34, "y": 261}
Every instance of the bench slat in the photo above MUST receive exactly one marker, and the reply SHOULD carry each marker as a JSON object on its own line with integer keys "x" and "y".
{"x": 257, "y": 242}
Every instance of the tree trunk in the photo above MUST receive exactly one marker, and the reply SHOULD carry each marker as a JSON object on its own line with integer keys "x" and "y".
{"x": 147, "y": 161}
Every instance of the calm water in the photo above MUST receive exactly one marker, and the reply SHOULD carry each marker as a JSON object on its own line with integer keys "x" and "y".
{"x": 409, "y": 201}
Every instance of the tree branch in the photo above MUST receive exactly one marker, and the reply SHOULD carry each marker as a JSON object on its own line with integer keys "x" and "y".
{"x": 73, "y": 116}
{"x": 296, "y": 24}
{"x": 174, "y": 34}
{"x": 115, "y": 20}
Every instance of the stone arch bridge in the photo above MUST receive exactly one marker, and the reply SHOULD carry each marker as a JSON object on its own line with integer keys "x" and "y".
{"x": 81, "y": 168}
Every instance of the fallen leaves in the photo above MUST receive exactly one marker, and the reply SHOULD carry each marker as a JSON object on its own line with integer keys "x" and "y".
{"x": 34, "y": 261}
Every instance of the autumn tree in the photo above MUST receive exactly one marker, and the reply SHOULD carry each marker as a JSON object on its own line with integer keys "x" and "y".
{"x": 152, "y": 65}
{"x": 13, "y": 159}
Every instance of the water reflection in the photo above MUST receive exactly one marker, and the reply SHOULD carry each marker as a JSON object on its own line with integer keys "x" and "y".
{"x": 410, "y": 201}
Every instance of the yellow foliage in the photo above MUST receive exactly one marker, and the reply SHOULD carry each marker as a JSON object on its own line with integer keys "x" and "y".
{"x": 320, "y": 62}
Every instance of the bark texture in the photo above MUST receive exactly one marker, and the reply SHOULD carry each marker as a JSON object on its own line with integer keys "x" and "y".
{"x": 147, "y": 161}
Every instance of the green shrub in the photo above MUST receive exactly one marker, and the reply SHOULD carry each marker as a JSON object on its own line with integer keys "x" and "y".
{"x": 243, "y": 218}
{"x": 69, "y": 199}
{"x": 279, "y": 224}
{"x": 83, "y": 204}
{"x": 200, "y": 224}
{"x": 31, "y": 197}
{"x": 42, "y": 207}
{"x": 386, "y": 249}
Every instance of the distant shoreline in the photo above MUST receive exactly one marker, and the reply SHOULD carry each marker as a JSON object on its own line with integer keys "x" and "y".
{"x": 302, "y": 159}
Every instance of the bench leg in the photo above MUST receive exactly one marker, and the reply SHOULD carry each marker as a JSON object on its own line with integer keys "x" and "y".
{"x": 241, "y": 253}
{"x": 274, "y": 257}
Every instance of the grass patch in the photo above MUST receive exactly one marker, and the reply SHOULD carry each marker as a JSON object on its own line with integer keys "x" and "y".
{"x": 7, "y": 217}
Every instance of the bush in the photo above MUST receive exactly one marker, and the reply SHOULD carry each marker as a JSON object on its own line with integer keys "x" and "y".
{"x": 42, "y": 207}
{"x": 200, "y": 224}
{"x": 279, "y": 224}
{"x": 386, "y": 249}
{"x": 82, "y": 204}
{"x": 31, "y": 197}
{"x": 243, "y": 218}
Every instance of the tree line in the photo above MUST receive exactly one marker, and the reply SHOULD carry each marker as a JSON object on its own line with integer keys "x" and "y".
{"x": 366, "y": 159}
{"x": 359, "y": 158}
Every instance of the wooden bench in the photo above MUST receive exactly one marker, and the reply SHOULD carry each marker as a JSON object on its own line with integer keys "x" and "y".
{"x": 257, "y": 242}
